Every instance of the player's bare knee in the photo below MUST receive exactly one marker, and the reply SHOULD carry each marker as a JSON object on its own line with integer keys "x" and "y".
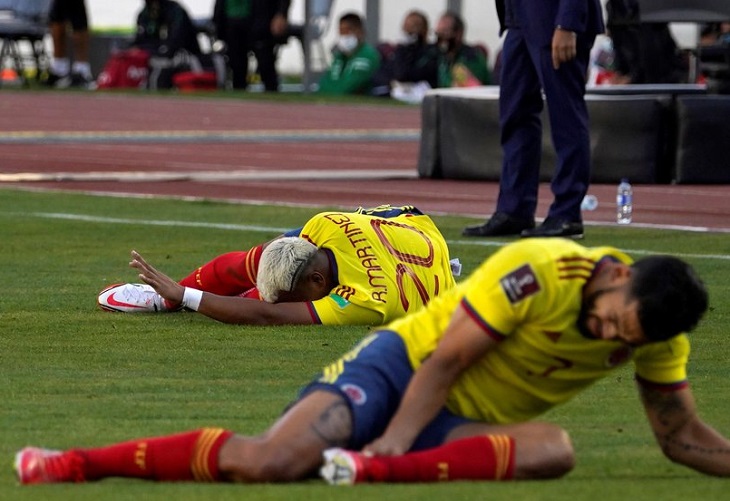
{"x": 566, "y": 454}
{"x": 545, "y": 452}
{"x": 561, "y": 452}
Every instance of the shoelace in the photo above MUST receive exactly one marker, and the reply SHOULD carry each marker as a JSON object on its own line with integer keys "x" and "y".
{"x": 65, "y": 467}
{"x": 139, "y": 296}
{"x": 148, "y": 298}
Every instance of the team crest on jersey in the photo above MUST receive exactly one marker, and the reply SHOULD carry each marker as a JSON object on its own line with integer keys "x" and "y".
{"x": 520, "y": 284}
{"x": 356, "y": 394}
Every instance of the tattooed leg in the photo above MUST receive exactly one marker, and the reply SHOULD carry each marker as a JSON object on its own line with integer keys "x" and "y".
{"x": 292, "y": 448}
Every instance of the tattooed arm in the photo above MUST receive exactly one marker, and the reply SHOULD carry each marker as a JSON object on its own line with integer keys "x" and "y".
{"x": 682, "y": 435}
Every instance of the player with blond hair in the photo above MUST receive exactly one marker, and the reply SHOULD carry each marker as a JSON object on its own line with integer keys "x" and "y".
{"x": 364, "y": 267}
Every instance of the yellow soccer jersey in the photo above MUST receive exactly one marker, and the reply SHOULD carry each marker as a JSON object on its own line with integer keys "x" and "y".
{"x": 528, "y": 296}
{"x": 387, "y": 261}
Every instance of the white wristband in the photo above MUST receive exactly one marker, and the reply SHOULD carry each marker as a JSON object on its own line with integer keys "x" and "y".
{"x": 192, "y": 298}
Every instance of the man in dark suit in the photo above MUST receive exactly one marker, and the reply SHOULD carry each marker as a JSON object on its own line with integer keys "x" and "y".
{"x": 546, "y": 49}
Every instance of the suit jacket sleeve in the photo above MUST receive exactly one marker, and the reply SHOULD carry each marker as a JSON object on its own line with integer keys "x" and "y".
{"x": 283, "y": 8}
{"x": 500, "y": 15}
{"x": 573, "y": 15}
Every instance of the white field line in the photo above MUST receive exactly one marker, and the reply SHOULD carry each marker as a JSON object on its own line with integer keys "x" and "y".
{"x": 187, "y": 136}
{"x": 210, "y": 176}
{"x": 272, "y": 229}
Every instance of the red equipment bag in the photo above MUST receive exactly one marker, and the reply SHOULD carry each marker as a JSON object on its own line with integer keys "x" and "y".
{"x": 192, "y": 80}
{"x": 125, "y": 69}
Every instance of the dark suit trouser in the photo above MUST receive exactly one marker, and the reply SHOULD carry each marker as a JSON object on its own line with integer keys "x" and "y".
{"x": 239, "y": 43}
{"x": 527, "y": 68}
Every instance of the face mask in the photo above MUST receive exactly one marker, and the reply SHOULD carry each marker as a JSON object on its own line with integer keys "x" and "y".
{"x": 446, "y": 44}
{"x": 347, "y": 43}
{"x": 408, "y": 39}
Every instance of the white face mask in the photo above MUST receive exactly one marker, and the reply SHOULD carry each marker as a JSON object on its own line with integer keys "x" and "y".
{"x": 347, "y": 43}
{"x": 408, "y": 38}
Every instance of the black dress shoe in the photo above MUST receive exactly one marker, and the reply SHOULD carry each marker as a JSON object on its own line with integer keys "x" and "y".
{"x": 556, "y": 227}
{"x": 499, "y": 225}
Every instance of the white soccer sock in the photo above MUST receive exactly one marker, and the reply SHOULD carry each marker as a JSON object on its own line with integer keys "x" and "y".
{"x": 82, "y": 68}
{"x": 60, "y": 65}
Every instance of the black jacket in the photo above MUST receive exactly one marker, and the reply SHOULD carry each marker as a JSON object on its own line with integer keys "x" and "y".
{"x": 262, "y": 12}
{"x": 168, "y": 32}
{"x": 646, "y": 52}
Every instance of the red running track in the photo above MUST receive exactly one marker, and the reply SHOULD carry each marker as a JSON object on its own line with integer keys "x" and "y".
{"x": 270, "y": 151}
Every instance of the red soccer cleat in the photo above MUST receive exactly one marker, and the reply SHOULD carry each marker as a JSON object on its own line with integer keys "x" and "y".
{"x": 43, "y": 466}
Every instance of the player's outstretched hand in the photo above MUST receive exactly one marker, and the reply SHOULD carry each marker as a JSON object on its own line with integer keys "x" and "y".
{"x": 164, "y": 285}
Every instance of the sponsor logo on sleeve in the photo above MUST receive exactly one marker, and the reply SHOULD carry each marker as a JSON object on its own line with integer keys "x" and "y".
{"x": 339, "y": 300}
{"x": 520, "y": 284}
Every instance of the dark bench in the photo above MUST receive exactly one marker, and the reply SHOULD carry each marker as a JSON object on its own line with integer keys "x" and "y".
{"x": 649, "y": 134}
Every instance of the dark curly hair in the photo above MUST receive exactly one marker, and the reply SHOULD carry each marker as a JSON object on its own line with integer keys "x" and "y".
{"x": 671, "y": 296}
{"x": 353, "y": 20}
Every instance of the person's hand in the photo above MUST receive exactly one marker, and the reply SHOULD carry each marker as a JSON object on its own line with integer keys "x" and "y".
{"x": 386, "y": 446}
{"x": 563, "y": 46}
{"x": 164, "y": 285}
{"x": 278, "y": 25}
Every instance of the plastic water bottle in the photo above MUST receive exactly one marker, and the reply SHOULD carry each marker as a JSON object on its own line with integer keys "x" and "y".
{"x": 589, "y": 203}
{"x": 624, "y": 202}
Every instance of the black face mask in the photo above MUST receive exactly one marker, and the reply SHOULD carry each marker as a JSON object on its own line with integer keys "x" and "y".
{"x": 446, "y": 44}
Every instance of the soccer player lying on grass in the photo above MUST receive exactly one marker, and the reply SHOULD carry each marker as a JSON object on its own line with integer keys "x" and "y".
{"x": 364, "y": 267}
{"x": 450, "y": 391}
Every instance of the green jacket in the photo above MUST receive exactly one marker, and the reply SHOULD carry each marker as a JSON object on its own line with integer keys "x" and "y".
{"x": 351, "y": 74}
{"x": 468, "y": 57}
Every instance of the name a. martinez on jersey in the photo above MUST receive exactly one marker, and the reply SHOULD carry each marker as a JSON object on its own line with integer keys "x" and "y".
{"x": 377, "y": 280}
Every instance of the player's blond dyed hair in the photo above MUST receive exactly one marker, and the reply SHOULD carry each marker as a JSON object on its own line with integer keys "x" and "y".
{"x": 282, "y": 264}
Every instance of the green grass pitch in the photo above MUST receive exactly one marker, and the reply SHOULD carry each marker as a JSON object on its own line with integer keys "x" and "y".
{"x": 72, "y": 375}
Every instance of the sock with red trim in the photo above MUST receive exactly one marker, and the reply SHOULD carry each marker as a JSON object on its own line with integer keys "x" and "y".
{"x": 185, "y": 456}
{"x": 486, "y": 457}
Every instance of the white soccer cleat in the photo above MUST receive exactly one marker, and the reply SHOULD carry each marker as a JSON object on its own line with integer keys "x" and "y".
{"x": 131, "y": 298}
{"x": 342, "y": 467}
